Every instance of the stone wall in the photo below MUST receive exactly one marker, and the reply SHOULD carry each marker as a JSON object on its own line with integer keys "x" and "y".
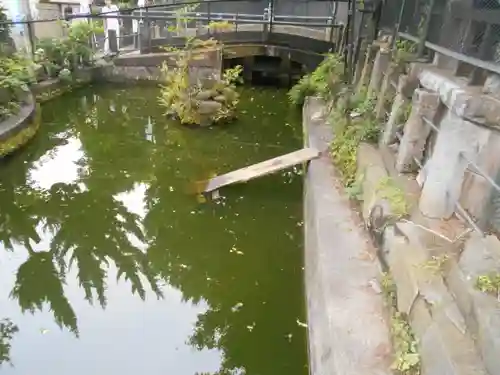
{"x": 439, "y": 156}
{"x": 136, "y": 67}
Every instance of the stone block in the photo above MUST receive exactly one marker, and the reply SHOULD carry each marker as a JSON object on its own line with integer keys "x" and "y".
{"x": 446, "y": 167}
{"x": 481, "y": 311}
{"x": 445, "y": 350}
{"x": 454, "y": 93}
{"x": 438, "y": 325}
{"x": 416, "y": 131}
{"x": 476, "y": 190}
{"x": 492, "y": 85}
{"x": 371, "y": 171}
{"x": 380, "y": 65}
{"x": 390, "y": 129}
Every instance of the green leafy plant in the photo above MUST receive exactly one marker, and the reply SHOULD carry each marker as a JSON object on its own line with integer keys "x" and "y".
{"x": 201, "y": 103}
{"x": 406, "y": 355}
{"x": 388, "y": 190}
{"x": 325, "y": 81}
{"x": 7, "y": 332}
{"x": 404, "y": 51}
{"x": 16, "y": 72}
{"x": 353, "y": 122}
{"x": 70, "y": 52}
{"x": 489, "y": 283}
{"x": 437, "y": 263}
{"x": 220, "y": 26}
{"x": 355, "y": 190}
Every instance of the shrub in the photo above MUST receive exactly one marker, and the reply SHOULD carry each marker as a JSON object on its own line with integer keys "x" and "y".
{"x": 200, "y": 103}
{"x": 325, "y": 81}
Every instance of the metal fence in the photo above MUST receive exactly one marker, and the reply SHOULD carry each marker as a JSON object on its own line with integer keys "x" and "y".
{"x": 162, "y": 19}
{"x": 464, "y": 33}
{"x": 463, "y": 36}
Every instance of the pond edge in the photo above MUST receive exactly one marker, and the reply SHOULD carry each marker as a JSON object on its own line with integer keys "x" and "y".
{"x": 347, "y": 329}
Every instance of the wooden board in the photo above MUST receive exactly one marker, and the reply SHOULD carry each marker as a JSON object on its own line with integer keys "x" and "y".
{"x": 261, "y": 169}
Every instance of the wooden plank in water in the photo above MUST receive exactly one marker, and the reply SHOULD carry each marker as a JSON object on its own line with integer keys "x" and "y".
{"x": 261, "y": 169}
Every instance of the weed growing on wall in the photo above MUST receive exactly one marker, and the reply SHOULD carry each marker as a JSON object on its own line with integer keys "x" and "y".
{"x": 387, "y": 189}
{"x": 355, "y": 191}
{"x": 489, "y": 283}
{"x": 353, "y": 122}
{"x": 406, "y": 356}
{"x": 405, "y": 50}
{"x": 437, "y": 263}
{"x": 325, "y": 81}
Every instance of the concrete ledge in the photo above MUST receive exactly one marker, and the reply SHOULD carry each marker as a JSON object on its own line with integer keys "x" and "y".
{"x": 203, "y": 58}
{"x": 15, "y": 123}
{"x": 18, "y": 129}
{"x": 347, "y": 333}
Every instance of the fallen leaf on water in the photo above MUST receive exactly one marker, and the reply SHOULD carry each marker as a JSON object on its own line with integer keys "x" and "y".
{"x": 300, "y": 324}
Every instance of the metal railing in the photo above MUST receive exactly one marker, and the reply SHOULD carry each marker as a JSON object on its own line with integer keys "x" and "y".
{"x": 162, "y": 16}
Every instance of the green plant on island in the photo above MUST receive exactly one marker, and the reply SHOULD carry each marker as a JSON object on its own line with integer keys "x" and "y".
{"x": 198, "y": 101}
{"x": 325, "y": 81}
{"x": 72, "y": 52}
{"x": 220, "y": 26}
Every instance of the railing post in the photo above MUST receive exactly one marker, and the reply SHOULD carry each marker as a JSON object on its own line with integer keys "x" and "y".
{"x": 31, "y": 35}
{"x": 330, "y": 22}
{"x": 265, "y": 27}
{"x": 425, "y": 30}
{"x": 148, "y": 25}
{"x": 113, "y": 41}
{"x": 416, "y": 131}
{"x": 208, "y": 11}
{"x": 271, "y": 16}
{"x": 199, "y": 25}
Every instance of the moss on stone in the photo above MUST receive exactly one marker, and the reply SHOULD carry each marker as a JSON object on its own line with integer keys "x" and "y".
{"x": 21, "y": 138}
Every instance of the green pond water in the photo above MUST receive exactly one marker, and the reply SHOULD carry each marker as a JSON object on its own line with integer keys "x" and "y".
{"x": 110, "y": 265}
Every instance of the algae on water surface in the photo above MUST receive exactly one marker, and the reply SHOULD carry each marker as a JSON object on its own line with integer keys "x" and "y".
{"x": 124, "y": 270}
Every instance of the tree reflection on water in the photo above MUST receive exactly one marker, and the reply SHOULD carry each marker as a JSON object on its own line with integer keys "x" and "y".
{"x": 248, "y": 275}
